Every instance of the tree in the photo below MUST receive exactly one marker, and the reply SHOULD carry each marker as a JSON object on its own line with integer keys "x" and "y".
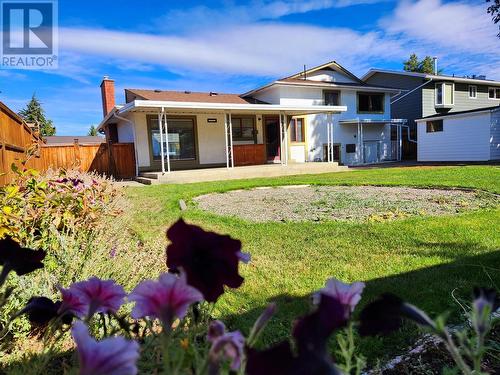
{"x": 92, "y": 130}
{"x": 413, "y": 64}
{"x": 35, "y": 114}
{"x": 494, "y": 10}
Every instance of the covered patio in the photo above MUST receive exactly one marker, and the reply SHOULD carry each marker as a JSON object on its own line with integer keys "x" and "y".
{"x": 215, "y": 138}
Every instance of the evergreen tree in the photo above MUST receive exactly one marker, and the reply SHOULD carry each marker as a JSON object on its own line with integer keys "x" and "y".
{"x": 411, "y": 65}
{"x": 92, "y": 130}
{"x": 494, "y": 10}
{"x": 427, "y": 65}
{"x": 34, "y": 113}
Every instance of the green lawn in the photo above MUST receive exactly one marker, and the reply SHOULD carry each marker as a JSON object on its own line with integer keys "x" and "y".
{"x": 422, "y": 259}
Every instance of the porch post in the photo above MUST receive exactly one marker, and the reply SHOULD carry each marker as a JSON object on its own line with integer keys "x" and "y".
{"x": 400, "y": 144}
{"x": 160, "y": 125}
{"x": 226, "y": 134}
{"x": 330, "y": 136}
{"x": 359, "y": 143}
{"x": 281, "y": 138}
{"x": 362, "y": 143}
{"x": 231, "y": 139}
{"x": 285, "y": 136}
{"x": 167, "y": 142}
{"x": 328, "y": 133}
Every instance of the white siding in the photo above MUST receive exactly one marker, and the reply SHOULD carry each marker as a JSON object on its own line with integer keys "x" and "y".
{"x": 125, "y": 132}
{"x": 495, "y": 135}
{"x": 464, "y": 138}
{"x": 330, "y": 76}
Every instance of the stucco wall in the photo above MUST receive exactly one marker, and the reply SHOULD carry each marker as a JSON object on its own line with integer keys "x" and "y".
{"x": 464, "y": 138}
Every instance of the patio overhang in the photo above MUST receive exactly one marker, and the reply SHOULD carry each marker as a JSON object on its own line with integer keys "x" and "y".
{"x": 197, "y": 107}
{"x": 392, "y": 121}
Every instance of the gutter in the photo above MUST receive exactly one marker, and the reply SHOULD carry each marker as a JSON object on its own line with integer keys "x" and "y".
{"x": 409, "y": 92}
{"x": 135, "y": 140}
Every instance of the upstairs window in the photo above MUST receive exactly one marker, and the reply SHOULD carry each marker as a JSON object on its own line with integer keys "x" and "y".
{"x": 297, "y": 130}
{"x": 472, "y": 92}
{"x": 434, "y": 126}
{"x": 371, "y": 103}
{"x": 243, "y": 128}
{"x": 331, "y": 97}
{"x": 444, "y": 93}
{"x": 494, "y": 93}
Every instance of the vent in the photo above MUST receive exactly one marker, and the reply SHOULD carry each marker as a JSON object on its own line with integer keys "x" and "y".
{"x": 213, "y": 93}
{"x": 187, "y": 92}
{"x": 157, "y": 90}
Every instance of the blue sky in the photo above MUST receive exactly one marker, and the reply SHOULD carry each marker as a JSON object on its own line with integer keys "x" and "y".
{"x": 230, "y": 46}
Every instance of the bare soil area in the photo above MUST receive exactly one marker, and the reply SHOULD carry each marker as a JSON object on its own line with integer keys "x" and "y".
{"x": 345, "y": 203}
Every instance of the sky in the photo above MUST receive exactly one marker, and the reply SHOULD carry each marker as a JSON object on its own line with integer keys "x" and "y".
{"x": 230, "y": 46}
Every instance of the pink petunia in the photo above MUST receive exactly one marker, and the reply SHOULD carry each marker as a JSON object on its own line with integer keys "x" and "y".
{"x": 165, "y": 299}
{"x": 96, "y": 295}
{"x": 111, "y": 356}
{"x": 228, "y": 346}
{"x": 72, "y": 303}
{"x": 347, "y": 294}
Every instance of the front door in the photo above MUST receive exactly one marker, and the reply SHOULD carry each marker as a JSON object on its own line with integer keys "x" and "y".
{"x": 272, "y": 132}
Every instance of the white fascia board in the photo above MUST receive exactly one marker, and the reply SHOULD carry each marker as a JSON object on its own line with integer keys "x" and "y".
{"x": 108, "y": 116}
{"x": 454, "y": 116}
{"x": 200, "y": 106}
{"x": 432, "y": 76}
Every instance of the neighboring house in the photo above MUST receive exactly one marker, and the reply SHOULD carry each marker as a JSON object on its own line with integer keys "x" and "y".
{"x": 426, "y": 95}
{"x": 323, "y": 114}
{"x": 460, "y": 136}
{"x": 69, "y": 140}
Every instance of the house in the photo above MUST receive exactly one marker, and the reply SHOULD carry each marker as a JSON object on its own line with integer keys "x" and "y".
{"x": 472, "y": 135}
{"x": 324, "y": 114}
{"x": 423, "y": 95}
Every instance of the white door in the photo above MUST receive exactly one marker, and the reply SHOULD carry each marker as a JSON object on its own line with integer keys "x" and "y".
{"x": 371, "y": 152}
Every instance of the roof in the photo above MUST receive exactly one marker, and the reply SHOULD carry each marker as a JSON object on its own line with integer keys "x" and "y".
{"x": 459, "y": 113}
{"x": 87, "y": 139}
{"x": 436, "y": 77}
{"x": 188, "y": 96}
{"x": 331, "y": 65}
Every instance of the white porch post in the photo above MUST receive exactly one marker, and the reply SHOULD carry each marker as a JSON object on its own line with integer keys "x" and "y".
{"x": 226, "y": 135}
{"x": 285, "y": 136}
{"x": 330, "y": 137}
{"x": 400, "y": 142}
{"x": 281, "y": 138}
{"x": 160, "y": 125}
{"x": 328, "y": 134}
{"x": 362, "y": 143}
{"x": 359, "y": 143}
{"x": 167, "y": 142}
{"x": 231, "y": 139}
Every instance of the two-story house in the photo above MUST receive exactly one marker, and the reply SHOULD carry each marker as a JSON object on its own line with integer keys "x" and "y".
{"x": 423, "y": 95}
{"x": 324, "y": 114}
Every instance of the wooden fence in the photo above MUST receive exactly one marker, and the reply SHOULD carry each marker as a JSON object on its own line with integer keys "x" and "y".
{"x": 16, "y": 138}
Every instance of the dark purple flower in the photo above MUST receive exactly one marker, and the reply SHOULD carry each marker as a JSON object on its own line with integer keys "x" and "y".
{"x": 385, "y": 314}
{"x": 210, "y": 260}
{"x": 261, "y": 323}
{"x": 485, "y": 302}
{"x": 311, "y": 334}
{"x": 13, "y": 257}
{"x": 111, "y": 356}
{"x": 348, "y": 294}
{"x": 41, "y": 310}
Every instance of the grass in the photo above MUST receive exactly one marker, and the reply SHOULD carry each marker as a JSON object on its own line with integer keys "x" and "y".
{"x": 422, "y": 259}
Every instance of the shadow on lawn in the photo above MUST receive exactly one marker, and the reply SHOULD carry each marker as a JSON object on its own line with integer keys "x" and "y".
{"x": 433, "y": 289}
{"x": 429, "y": 288}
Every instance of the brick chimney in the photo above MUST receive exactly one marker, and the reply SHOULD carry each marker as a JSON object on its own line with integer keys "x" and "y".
{"x": 108, "y": 95}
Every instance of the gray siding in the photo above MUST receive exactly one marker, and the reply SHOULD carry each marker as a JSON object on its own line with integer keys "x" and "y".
{"x": 409, "y": 107}
{"x": 462, "y": 100}
{"x": 495, "y": 135}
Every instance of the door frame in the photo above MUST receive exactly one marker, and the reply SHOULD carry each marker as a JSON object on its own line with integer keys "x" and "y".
{"x": 277, "y": 158}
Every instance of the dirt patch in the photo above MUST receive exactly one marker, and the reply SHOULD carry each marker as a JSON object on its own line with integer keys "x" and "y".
{"x": 345, "y": 203}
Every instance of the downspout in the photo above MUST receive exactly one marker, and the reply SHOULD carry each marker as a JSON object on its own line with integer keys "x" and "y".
{"x": 135, "y": 140}
{"x": 414, "y": 89}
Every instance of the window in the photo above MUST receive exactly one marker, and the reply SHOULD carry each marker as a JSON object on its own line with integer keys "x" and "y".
{"x": 373, "y": 103}
{"x": 434, "y": 126}
{"x": 331, "y": 97}
{"x": 181, "y": 143}
{"x": 297, "y": 130}
{"x": 350, "y": 148}
{"x": 243, "y": 128}
{"x": 444, "y": 94}
{"x": 472, "y": 92}
{"x": 494, "y": 93}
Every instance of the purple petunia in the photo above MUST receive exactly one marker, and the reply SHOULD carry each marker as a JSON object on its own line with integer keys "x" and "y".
{"x": 165, "y": 299}
{"x": 85, "y": 298}
{"x": 210, "y": 260}
{"x": 228, "y": 346}
{"x": 347, "y": 294}
{"x": 111, "y": 356}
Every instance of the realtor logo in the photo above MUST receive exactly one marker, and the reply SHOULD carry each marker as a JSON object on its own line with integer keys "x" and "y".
{"x": 29, "y": 38}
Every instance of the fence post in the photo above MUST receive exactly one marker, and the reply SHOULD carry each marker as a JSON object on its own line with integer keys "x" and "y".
{"x": 76, "y": 150}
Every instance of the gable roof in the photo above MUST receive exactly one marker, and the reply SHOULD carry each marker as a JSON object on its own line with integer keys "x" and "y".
{"x": 188, "y": 96}
{"x": 333, "y": 65}
{"x": 435, "y": 77}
